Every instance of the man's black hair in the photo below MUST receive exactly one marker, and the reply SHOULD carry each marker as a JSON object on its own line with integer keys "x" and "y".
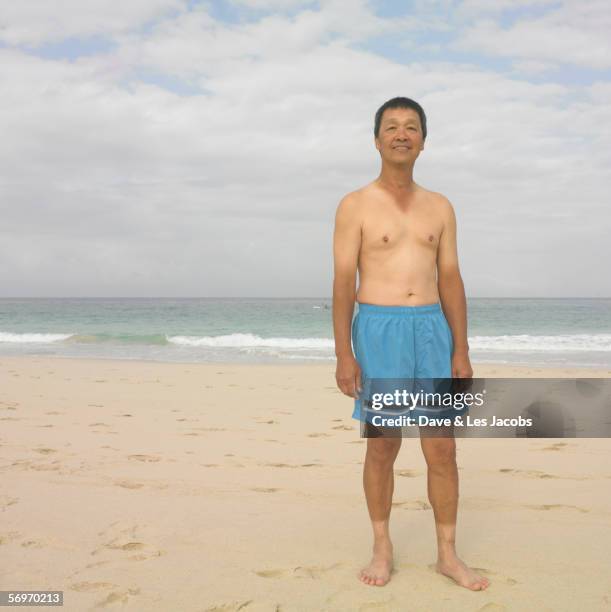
{"x": 400, "y": 102}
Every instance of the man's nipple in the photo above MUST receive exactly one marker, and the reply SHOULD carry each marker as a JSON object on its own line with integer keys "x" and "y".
{"x": 385, "y": 238}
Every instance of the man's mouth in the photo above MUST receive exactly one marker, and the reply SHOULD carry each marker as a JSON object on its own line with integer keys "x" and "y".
{"x": 401, "y": 147}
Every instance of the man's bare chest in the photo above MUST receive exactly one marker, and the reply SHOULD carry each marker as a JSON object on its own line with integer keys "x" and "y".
{"x": 390, "y": 232}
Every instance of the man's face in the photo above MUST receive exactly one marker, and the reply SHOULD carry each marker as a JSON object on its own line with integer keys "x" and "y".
{"x": 400, "y": 137}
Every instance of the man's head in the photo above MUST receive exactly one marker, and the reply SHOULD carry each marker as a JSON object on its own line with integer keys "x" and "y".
{"x": 400, "y": 129}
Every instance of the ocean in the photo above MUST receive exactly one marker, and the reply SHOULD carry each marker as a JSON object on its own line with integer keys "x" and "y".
{"x": 530, "y": 331}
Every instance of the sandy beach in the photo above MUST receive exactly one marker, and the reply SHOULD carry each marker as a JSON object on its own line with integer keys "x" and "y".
{"x": 160, "y": 487}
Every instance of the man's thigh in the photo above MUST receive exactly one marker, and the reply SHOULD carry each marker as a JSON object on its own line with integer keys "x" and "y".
{"x": 368, "y": 430}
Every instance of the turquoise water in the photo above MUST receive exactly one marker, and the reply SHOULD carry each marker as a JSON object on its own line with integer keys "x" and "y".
{"x": 529, "y": 331}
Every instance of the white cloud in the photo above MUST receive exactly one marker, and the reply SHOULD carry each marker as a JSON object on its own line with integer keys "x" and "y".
{"x": 272, "y": 5}
{"x": 575, "y": 33}
{"x": 33, "y": 23}
{"x": 141, "y": 191}
{"x": 479, "y": 7}
{"x": 532, "y": 67}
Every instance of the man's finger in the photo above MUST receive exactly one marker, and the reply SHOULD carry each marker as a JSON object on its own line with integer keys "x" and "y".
{"x": 347, "y": 389}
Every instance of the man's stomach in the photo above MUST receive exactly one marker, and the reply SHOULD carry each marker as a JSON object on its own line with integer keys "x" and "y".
{"x": 397, "y": 292}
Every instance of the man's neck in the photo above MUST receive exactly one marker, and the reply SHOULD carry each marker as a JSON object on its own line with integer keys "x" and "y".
{"x": 398, "y": 179}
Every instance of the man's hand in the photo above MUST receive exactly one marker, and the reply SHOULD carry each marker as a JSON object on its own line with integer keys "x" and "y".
{"x": 348, "y": 376}
{"x": 461, "y": 366}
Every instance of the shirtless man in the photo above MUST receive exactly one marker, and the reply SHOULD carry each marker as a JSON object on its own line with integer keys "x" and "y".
{"x": 402, "y": 239}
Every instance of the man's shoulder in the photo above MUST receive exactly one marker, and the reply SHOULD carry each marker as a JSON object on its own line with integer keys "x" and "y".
{"x": 437, "y": 198}
{"x": 353, "y": 201}
{"x": 441, "y": 205}
{"x": 359, "y": 194}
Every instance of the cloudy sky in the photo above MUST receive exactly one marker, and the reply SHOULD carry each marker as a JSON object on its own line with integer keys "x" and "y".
{"x": 192, "y": 148}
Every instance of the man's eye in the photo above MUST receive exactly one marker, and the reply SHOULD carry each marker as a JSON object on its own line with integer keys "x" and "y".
{"x": 390, "y": 128}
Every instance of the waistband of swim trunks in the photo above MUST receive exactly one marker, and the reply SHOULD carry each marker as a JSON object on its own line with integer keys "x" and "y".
{"x": 401, "y": 311}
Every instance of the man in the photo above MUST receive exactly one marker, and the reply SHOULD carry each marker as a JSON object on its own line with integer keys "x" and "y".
{"x": 402, "y": 239}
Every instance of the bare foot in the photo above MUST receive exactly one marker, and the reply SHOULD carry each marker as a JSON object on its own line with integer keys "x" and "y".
{"x": 377, "y": 573}
{"x": 464, "y": 576}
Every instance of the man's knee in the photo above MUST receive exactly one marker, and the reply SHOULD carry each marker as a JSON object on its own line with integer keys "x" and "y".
{"x": 439, "y": 453}
{"x": 383, "y": 449}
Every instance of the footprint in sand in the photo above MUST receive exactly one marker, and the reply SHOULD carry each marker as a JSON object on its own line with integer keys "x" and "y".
{"x": 127, "y": 484}
{"x": 313, "y": 571}
{"x": 234, "y": 606}
{"x": 290, "y": 465}
{"x": 117, "y": 597}
{"x": 346, "y": 427}
{"x": 54, "y": 466}
{"x": 144, "y": 458}
{"x": 555, "y": 447}
{"x": 96, "y": 564}
{"x": 127, "y": 539}
{"x": 408, "y": 473}
{"x": 33, "y": 544}
{"x": 44, "y": 451}
{"x": 91, "y": 586}
{"x": 491, "y": 606}
{"x": 9, "y": 536}
{"x": 382, "y": 605}
{"x": 557, "y": 507}
{"x": 497, "y": 577}
{"x": 264, "y": 489}
{"x": 539, "y": 474}
{"x": 415, "y": 504}
{"x": 319, "y": 435}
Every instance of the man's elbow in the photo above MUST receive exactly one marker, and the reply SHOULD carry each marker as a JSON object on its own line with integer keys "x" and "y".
{"x": 449, "y": 276}
{"x": 344, "y": 283}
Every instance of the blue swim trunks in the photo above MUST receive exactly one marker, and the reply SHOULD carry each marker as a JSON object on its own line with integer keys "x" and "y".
{"x": 401, "y": 342}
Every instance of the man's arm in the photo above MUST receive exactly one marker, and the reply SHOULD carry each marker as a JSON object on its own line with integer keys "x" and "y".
{"x": 346, "y": 248}
{"x": 452, "y": 293}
